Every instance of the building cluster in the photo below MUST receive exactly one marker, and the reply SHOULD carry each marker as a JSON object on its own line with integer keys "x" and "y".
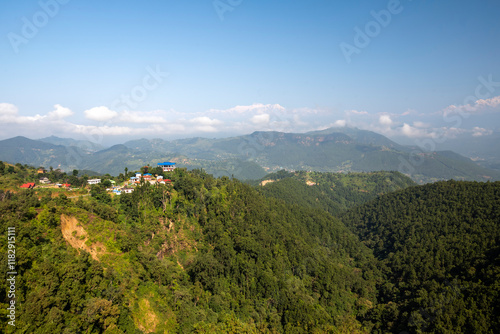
{"x": 148, "y": 177}
{"x": 127, "y": 188}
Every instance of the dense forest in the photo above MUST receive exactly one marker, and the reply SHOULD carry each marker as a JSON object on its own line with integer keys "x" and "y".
{"x": 438, "y": 246}
{"x": 336, "y": 253}
{"x": 201, "y": 255}
{"x": 333, "y": 192}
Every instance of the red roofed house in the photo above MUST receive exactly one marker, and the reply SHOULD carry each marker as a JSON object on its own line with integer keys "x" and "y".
{"x": 28, "y": 185}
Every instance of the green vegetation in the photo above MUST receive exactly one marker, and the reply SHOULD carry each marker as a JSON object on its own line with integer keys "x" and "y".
{"x": 248, "y": 157}
{"x": 309, "y": 253}
{"x": 202, "y": 255}
{"x": 439, "y": 248}
{"x": 333, "y": 192}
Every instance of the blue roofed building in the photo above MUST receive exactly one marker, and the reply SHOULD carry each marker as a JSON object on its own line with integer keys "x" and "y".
{"x": 167, "y": 166}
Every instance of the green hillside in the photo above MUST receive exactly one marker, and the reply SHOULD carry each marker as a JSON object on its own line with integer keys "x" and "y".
{"x": 202, "y": 255}
{"x": 439, "y": 248}
{"x": 332, "y": 192}
{"x": 214, "y": 255}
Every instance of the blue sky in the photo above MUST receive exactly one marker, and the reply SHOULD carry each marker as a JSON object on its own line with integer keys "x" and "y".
{"x": 175, "y": 69}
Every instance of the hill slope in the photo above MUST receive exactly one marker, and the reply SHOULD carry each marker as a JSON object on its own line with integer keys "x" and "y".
{"x": 332, "y": 192}
{"x": 440, "y": 246}
{"x": 204, "y": 255}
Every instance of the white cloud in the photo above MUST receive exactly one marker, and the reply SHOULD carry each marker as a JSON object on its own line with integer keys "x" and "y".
{"x": 9, "y": 115}
{"x": 355, "y": 112}
{"x": 206, "y": 121}
{"x": 385, "y": 120}
{"x": 419, "y": 124}
{"x": 409, "y": 112}
{"x": 139, "y": 117}
{"x": 262, "y": 119}
{"x": 104, "y": 130}
{"x": 8, "y": 109}
{"x": 298, "y": 122}
{"x": 478, "y": 132}
{"x": 479, "y": 106}
{"x": 412, "y": 132}
{"x": 100, "y": 114}
{"x": 493, "y": 102}
{"x": 236, "y": 120}
{"x": 60, "y": 112}
{"x": 256, "y": 107}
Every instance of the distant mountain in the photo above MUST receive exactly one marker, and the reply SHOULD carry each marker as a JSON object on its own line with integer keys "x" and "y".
{"x": 250, "y": 156}
{"x": 113, "y": 160}
{"x": 482, "y": 149}
{"x": 331, "y": 150}
{"x": 363, "y": 137}
{"x": 37, "y": 153}
{"x": 85, "y": 145}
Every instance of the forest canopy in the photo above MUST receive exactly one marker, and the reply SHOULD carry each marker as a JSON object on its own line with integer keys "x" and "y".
{"x": 308, "y": 253}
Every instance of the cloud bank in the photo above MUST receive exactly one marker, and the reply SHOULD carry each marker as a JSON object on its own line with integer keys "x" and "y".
{"x": 242, "y": 119}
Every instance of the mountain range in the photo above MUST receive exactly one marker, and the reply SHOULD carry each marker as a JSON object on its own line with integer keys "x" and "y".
{"x": 253, "y": 156}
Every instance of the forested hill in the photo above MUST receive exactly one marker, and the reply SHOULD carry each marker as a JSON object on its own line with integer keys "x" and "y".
{"x": 332, "y": 192}
{"x": 200, "y": 255}
{"x": 214, "y": 255}
{"x": 439, "y": 245}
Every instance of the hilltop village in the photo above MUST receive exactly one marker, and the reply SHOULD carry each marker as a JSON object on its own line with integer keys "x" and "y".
{"x": 124, "y": 183}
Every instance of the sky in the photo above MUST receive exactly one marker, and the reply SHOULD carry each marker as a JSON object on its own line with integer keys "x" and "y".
{"x": 108, "y": 71}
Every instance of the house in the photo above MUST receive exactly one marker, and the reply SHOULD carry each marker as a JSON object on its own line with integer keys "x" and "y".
{"x": 167, "y": 166}
{"x": 94, "y": 181}
{"x": 41, "y": 170}
{"x": 44, "y": 180}
{"x": 28, "y": 185}
{"x": 159, "y": 177}
{"x": 147, "y": 177}
{"x": 138, "y": 175}
{"x": 128, "y": 190}
{"x": 66, "y": 185}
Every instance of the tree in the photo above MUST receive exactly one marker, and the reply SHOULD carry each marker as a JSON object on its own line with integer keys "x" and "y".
{"x": 75, "y": 172}
{"x": 106, "y": 183}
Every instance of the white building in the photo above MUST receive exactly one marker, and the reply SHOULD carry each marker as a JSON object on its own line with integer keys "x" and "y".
{"x": 94, "y": 181}
{"x": 167, "y": 166}
{"x": 45, "y": 180}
